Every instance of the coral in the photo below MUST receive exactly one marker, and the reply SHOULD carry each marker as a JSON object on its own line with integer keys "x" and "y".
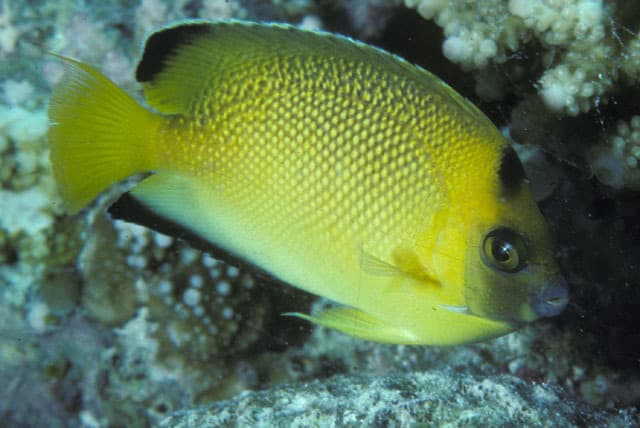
{"x": 220, "y": 9}
{"x": 150, "y": 14}
{"x": 581, "y": 54}
{"x": 22, "y": 146}
{"x": 370, "y": 17}
{"x": 153, "y": 14}
{"x": 26, "y": 213}
{"x": 135, "y": 380}
{"x": 109, "y": 291}
{"x": 631, "y": 67}
{"x": 616, "y": 161}
{"x": 475, "y": 31}
{"x": 17, "y": 92}
{"x": 28, "y": 401}
{"x": 82, "y": 35}
{"x": 9, "y": 33}
{"x": 26, "y": 195}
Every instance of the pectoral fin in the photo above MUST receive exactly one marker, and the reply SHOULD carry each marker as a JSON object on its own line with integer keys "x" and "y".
{"x": 357, "y": 323}
{"x": 411, "y": 277}
{"x": 377, "y": 267}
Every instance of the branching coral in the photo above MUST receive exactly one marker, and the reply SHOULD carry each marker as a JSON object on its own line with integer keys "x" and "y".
{"x": 9, "y": 33}
{"x": 616, "y": 162}
{"x": 582, "y": 53}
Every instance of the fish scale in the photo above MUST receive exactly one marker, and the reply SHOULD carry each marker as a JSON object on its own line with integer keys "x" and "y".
{"x": 273, "y": 131}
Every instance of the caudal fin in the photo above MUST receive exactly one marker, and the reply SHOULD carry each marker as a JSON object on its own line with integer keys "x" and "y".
{"x": 98, "y": 135}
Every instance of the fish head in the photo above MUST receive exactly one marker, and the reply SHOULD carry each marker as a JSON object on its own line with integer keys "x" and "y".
{"x": 510, "y": 270}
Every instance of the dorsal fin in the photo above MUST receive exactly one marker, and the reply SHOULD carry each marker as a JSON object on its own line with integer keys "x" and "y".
{"x": 172, "y": 66}
{"x": 181, "y": 60}
{"x": 160, "y": 46}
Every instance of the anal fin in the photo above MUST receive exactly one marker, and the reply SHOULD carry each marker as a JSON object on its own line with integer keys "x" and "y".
{"x": 357, "y": 323}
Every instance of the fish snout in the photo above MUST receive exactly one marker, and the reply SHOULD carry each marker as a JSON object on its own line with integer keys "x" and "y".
{"x": 552, "y": 299}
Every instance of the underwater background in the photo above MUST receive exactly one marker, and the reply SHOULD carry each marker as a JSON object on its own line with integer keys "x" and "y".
{"x": 98, "y": 322}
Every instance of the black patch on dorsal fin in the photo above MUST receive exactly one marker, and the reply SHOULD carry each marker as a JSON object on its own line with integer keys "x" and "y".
{"x": 511, "y": 173}
{"x": 129, "y": 209}
{"x": 160, "y": 45}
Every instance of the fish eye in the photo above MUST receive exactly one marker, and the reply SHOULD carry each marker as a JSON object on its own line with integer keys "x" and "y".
{"x": 504, "y": 250}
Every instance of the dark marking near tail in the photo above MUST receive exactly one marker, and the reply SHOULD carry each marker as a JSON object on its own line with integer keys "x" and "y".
{"x": 161, "y": 45}
{"x": 130, "y": 209}
{"x": 511, "y": 173}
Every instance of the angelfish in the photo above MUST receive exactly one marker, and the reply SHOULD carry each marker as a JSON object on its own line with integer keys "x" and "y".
{"x": 333, "y": 165}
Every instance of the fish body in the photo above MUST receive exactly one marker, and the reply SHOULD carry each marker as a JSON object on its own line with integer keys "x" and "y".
{"x": 332, "y": 165}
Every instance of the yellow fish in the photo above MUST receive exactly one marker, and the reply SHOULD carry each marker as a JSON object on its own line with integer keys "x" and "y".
{"x": 334, "y": 166}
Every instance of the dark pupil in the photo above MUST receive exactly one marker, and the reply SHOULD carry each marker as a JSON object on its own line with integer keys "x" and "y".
{"x": 501, "y": 250}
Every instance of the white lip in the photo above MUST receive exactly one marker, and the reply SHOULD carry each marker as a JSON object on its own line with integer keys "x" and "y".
{"x": 552, "y": 300}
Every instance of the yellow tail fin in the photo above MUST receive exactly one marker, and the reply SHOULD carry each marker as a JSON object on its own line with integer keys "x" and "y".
{"x": 98, "y": 136}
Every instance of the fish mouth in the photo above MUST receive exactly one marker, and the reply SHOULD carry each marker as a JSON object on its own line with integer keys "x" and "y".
{"x": 552, "y": 300}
